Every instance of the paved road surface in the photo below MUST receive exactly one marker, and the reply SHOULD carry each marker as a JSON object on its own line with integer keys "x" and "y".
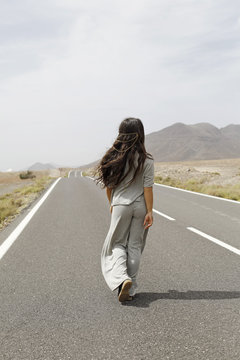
{"x": 55, "y": 304}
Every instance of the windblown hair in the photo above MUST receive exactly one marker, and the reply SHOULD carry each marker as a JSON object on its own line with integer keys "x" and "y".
{"x": 130, "y": 140}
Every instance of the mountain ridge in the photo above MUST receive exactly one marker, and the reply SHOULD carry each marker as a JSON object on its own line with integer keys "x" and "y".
{"x": 201, "y": 141}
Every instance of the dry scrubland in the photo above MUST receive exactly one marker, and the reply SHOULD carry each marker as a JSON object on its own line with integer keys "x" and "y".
{"x": 17, "y": 194}
{"x": 214, "y": 177}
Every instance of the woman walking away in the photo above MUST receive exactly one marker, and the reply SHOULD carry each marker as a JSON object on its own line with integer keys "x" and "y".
{"x": 127, "y": 173}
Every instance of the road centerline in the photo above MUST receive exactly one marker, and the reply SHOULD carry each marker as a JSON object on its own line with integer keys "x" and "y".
{"x": 163, "y": 215}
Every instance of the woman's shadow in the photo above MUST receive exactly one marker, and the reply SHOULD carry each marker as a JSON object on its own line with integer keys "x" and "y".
{"x": 144, "y": 299}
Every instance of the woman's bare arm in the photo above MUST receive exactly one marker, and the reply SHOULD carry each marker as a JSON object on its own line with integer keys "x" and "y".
{"x": 109, "y": 193}
{"x": 148, "y": 196}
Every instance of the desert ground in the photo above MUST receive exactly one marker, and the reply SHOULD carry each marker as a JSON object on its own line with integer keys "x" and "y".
{"x": 10, "y": 181}
{"x": 211, "y": 172}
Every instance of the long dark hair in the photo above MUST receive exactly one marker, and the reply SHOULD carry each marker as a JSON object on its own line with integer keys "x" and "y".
{"x": 130, "y": 140}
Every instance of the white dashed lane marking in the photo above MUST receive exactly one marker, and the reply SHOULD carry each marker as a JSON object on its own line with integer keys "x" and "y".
{"x": 216, "y": 241}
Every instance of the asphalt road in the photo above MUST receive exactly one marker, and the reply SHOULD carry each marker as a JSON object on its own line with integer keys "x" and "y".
{"x": 55, "y": 304}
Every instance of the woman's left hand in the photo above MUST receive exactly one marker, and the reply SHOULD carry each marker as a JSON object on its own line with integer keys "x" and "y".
{"x": 148, "y": 221}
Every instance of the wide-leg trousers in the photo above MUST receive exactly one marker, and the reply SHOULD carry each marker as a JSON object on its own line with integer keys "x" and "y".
{"x": 124, "y": 244}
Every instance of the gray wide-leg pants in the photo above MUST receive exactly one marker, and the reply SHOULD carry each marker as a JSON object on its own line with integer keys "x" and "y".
{"x": 124, "y": 244}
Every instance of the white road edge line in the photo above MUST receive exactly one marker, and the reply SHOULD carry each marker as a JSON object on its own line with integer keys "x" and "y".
{"x": 201, "y": 194}
{"x": 89, "y": 177}
{"x": 164, "y": 215}
{"x": 216, "y": 241}
{"x": 17, "y": 231}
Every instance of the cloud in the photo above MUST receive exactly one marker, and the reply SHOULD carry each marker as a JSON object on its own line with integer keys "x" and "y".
{"x": 71, "y": 70}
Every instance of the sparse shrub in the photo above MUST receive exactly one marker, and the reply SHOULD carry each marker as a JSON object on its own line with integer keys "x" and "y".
{"x": 27, "y": 175}
{"x": 169, "y": 181}
{"x": 7, "y": 208}
{"x": 203, "y": 180}
{"x": 19, "y": 202}
{"x": 192, "y": 181}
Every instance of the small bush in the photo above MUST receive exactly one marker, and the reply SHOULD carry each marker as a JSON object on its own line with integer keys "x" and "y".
{"x": 7, "y": 208}
{"x": 27, "y": 175}
{"x": 192, "y": 182}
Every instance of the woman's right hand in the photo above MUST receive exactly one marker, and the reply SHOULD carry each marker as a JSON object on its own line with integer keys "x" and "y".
{"x": 148, "y": 221}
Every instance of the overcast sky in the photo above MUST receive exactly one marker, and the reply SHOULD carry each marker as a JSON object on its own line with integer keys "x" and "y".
{"x": 72, "y": 70}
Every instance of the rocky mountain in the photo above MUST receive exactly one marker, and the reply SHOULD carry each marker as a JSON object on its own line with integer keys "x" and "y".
{"x": 180, "y": 142}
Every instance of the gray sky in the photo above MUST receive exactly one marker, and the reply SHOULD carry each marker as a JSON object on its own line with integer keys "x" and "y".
{"x": 72, "y": 70}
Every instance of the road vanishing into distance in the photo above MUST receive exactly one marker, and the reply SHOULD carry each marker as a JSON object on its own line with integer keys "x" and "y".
{"x": 55, "y": 304}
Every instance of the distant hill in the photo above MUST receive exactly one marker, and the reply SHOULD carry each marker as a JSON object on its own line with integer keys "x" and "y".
{"x": 203, "y": 141}
{"x": 89, "y": 165}
{"x": 39, "y": 166}
{"x": 232, "y": 131}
